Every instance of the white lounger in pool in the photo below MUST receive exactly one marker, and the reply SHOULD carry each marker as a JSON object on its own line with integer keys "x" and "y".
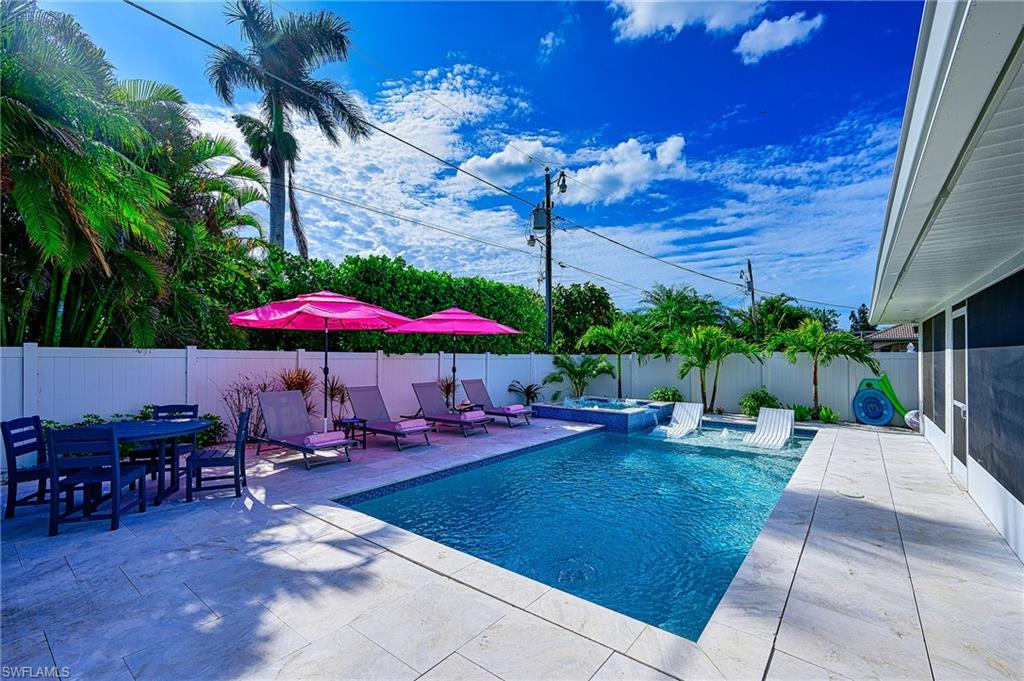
{"x": 686, "y": 418}
{"x": 774, "y": 428}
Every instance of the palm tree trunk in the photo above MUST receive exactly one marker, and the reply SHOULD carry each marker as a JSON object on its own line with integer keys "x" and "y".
{"x": 714, "y": 388}
{"x": 703, "y": 389}
{"x": 814, "y": 389}
{"x": 277, "y": 186}
{"x": 58, "y": 317}
{"x": 619, "y": 374}
{"x": 26, "y": 302}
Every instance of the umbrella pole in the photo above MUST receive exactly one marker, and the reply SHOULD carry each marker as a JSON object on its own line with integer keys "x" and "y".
{"x": 326, "y": 371}
{"x": 455, "y": 385}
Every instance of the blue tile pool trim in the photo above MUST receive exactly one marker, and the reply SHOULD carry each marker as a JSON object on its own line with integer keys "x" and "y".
{"x": 377, "y": 492}
{"x": 631, "y": 420}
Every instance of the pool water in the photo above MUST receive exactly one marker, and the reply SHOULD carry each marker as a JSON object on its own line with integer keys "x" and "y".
{"x": 583, "y": 403}
{"x": 651, "y": 528}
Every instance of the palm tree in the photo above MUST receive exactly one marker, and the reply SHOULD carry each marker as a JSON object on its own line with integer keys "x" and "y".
{"x": 681, "y": 308}
{"x": 705, "y": 346}
{"x": 622, "y": 337}
{"x": 823, "y": 347}
{"x": 70, "y": 158}
{"x": 279, "y": 61}
{"x": 577, "y": 373}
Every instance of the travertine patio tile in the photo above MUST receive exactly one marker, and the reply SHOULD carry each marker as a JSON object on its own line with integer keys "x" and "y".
{"x": 233, "y": 646}
{"x": 503, "y": 584}
{"x": 426, "y": 626}
{"x": 785, "y": 667}
{"x": 736, "y": 654}
{"x": 837, "y": 641}
{"x": 382, "y": 533}
{"x": 457, "y": 668}
{"x": 30, "y": 651}
{"x": 96, "y": 639}
{"x": 334, "y": 551}
{"x": 435, "y": 556}
{"x": 316, "y": 605}
{"x": 615, "y": 630}
{"x": 343, "y": 655}
{"x": 622, "y": 668}
{"x": 673, "y": 655}
{"x": 523, "y": 646}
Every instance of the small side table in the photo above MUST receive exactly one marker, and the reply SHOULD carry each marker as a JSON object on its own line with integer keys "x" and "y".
{"x": 351, "y": 427}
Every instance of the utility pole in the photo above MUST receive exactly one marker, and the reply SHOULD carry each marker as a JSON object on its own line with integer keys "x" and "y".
{"x": 547, "y": 256}
{"x": 748, "y": 277}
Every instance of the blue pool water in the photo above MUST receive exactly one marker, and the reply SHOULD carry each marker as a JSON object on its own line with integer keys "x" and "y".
{"x": 651, "y": 528}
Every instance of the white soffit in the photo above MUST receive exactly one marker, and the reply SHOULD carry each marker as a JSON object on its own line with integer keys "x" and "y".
{"x": 956, "y": 214}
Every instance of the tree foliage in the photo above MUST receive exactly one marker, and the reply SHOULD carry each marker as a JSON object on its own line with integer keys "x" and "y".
{"x": 577, "y": 307}
{"x": 577, "y": 373}
{"x": 823, "y": 347}
{"x": 279, "y": 61}
{"x": 704, "y": 348}
{"x": 625, "y": 335}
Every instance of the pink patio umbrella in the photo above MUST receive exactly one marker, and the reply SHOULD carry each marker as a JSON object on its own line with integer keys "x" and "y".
{"x": 324, "y": 311}
{"x": 457, "y": 323}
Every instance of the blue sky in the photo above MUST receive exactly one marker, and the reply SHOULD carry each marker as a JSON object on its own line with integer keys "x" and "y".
{"x": 707, "y": 132}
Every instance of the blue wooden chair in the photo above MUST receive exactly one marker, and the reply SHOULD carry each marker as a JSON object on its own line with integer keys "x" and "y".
{"x": 148, "y": 454}
{"x": 24, "y": 437}
{"x": 87, "y": 458}
{"x": 215, "y": 458}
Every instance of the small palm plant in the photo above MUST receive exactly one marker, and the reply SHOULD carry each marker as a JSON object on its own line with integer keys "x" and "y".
{"x": 823, "y": 347}
{"x": 704, "y": 347}
{"x": 577, "y": 373}
{"x": 622, "y": 337}
{"x": 531, "y": 392}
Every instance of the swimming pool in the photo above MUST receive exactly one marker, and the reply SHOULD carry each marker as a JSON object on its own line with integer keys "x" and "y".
{"x": 650, "y": 528}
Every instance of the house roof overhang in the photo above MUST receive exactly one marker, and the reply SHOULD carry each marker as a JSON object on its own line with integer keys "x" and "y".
{"x": 955, "y": 217}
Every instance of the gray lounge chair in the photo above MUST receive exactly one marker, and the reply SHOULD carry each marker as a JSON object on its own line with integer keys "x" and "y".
{"x": 287, "y": 424}
{"x": 368, "y": 404}
{"x": 436, "y": 411}
{"x": 476, "y": 391}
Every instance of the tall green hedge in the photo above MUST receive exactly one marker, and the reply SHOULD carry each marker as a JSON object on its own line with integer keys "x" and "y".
{"x": 393, "y": 284}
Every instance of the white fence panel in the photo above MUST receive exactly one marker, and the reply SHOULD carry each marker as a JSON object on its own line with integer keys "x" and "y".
{"x": 654, "y": 373}
{"x": 218, "y": 370}
{"x": 738, "y": 375}
{"x": 501, "y": 371}
{"x": 399, "y": 372}
{"x": 10, "y": 383}
{"x": 77, "y": 381}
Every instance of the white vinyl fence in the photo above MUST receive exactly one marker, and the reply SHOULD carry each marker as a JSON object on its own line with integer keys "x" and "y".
{"x": 62, "y": 384}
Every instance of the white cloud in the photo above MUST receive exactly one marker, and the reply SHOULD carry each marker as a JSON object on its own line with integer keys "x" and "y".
{"x": 772, "y": 36}
{"x": 548, "y": 42}
{"x": 518, "y": 160}
{"x": 626, "y": 169}
{"x": 642, "y": 18}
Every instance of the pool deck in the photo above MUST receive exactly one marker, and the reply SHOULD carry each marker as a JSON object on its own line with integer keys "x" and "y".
{"x": 874, "y": 564}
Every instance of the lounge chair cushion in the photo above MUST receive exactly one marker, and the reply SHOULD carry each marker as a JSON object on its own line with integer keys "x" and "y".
{"x": 411, "y": 424}
{"x": 474, "y": 415}
{"x": 513, "y": 409}
{"x": 324, "y": 439}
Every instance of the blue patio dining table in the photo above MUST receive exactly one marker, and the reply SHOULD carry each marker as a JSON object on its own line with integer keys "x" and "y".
{"x": 161, "y": 431}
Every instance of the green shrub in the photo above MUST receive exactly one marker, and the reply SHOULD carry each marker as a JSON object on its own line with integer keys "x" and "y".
{"x": 827, "y": 415}
{"x": 667, "y": 393}
{"x": 752, "y": 402}
{"x": 801, "y": 412}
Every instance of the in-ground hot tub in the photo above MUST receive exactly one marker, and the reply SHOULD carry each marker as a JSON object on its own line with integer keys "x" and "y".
{"x": 617, "y": 416}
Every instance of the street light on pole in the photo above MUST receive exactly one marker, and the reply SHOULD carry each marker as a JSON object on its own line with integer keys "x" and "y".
{"x": 542, "y": 222}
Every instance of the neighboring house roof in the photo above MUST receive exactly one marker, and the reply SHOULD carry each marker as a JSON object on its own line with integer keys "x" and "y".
{"x": 953, "y": 220}
{"x": 900, "y": 332}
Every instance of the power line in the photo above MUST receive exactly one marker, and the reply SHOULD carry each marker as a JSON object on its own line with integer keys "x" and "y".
{"x": 443, "y": 161}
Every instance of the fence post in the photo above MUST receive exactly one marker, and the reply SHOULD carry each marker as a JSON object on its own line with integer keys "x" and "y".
{"x": 300, "y": 355}
{"x": 487, "y": 368}
{"x": 191, "y": 375}
{"x": 29, "y": 379}
{"x": 533, "y": 369}
{"x": 379, "y": 362}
